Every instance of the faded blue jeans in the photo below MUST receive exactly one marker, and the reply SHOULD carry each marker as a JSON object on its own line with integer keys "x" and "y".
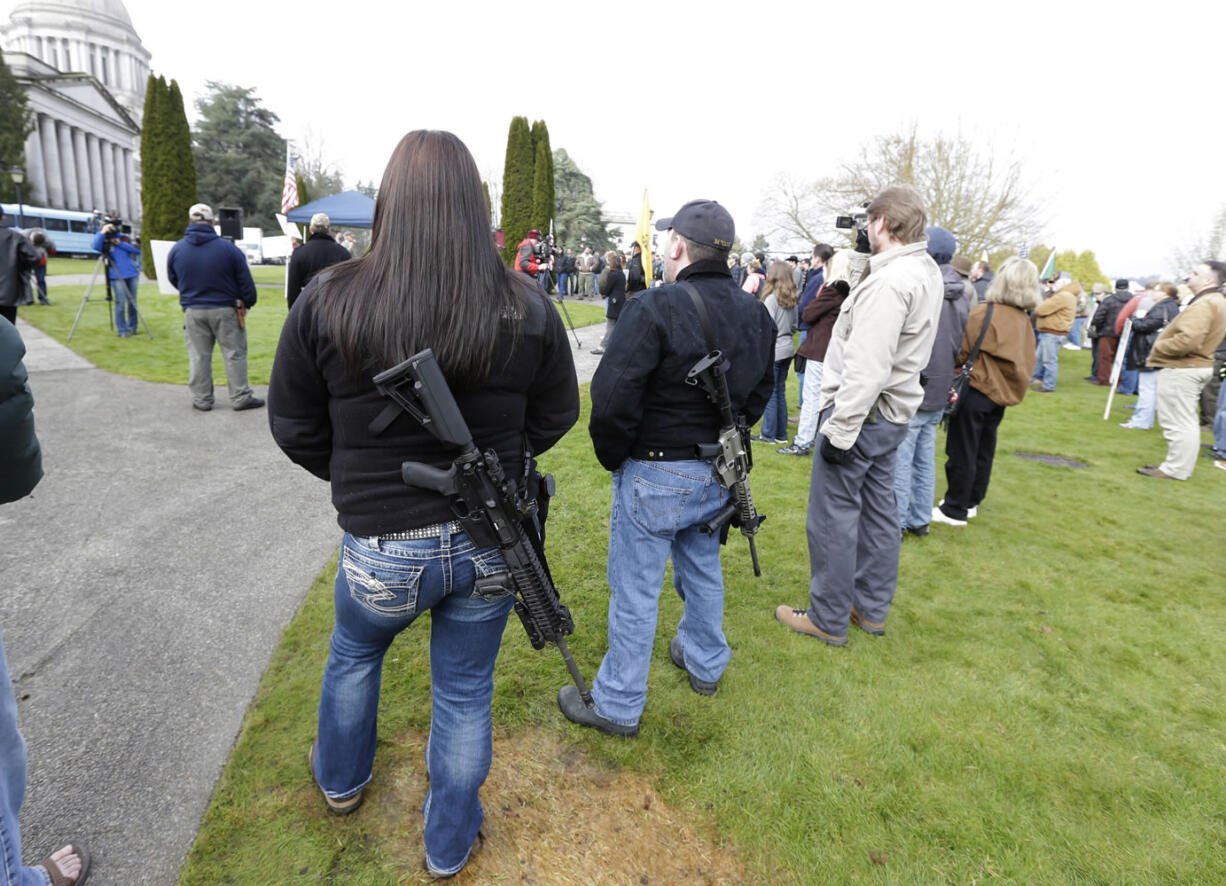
{"x": 1047, "y": 359}
{"x": 657, "y": 507}
{"x": 127, "y": 321}
{"x": 775, "y": 418}
{"x": 12, "y": 789}
{"x": 915, "y": 469}
{"x": 381, "y": 588}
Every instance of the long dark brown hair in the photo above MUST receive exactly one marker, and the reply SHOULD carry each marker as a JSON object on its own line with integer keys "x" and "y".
{"x": 432, "y": 278}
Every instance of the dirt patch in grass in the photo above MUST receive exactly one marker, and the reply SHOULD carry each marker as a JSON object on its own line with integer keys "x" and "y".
{"x": 552, "y": 816}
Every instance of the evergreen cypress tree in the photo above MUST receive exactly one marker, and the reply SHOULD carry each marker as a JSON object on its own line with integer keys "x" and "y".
{"x": 168, "y": 171}
{"x": 542, "y": 178}
{"x": 16, "y": 122}
{"x": 154, "y": 162}
{"x": 517, "y": 186}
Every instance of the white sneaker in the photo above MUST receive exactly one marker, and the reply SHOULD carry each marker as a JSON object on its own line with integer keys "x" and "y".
{"x": 970, "y": 514}
{"x": 938, "y": 516}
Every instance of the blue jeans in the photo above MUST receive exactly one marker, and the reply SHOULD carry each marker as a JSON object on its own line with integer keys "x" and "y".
{"x": 563, "y": 283}
{"x": 12, "y": 789}
{"x": 915, "y": 469}
{"x": 40, "y": 282}
{"x": 1047, "y": 359}
{"x": 124, "y": 291}
{"x": 656, "y": 509}
{"x": 381, "y": 588}
{"x": 1128, "y": 381}
{"x": 775, "y": 418}
{"x": 1074, "y": 334}
{"x": 1147, "y": 400}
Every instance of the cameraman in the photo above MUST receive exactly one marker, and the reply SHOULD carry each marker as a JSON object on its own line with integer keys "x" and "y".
{"x": 123, "y": 267}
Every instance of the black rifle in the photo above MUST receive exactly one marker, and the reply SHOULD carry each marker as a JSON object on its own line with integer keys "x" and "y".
{"x": 732, "y": 456}
{"x": 492, "y": 509}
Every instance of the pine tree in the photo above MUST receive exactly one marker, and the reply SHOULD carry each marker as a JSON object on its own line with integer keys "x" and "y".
{"x": 517, "y": 176}
{"x": 542, "y": 178}
{"x": 16, "y": 122}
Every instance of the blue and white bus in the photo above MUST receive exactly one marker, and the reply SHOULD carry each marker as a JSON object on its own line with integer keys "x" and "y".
{"x": 72, "y": 232}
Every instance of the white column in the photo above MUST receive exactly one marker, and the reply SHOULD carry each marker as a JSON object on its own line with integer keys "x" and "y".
{"x": 68, "y": 167}
{"x": 108, "y": 175}
{"x": 129, "y": 166}
{"x": 51, "y": 162}
{"x": 95, "y": 171}
{"x": 121, "y": 184}
{"x": 34, "y": 168}
{"x": 84, "y": 185}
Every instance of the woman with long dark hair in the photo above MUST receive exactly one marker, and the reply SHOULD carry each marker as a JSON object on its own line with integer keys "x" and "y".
{"x": 432, "y": 279}
{"x": 613, "y": 288}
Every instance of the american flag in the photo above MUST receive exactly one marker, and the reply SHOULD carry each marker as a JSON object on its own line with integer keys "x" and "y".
{"x": 289, "y": 191}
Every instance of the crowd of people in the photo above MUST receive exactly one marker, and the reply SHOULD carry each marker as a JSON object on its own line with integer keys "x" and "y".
{"x": 887, "y": 329}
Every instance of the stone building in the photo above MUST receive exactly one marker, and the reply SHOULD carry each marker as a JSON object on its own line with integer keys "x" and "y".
{"x": 84, "y": 70}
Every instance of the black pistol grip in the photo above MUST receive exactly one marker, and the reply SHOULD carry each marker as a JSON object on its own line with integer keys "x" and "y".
{"x": 414, "y": 473}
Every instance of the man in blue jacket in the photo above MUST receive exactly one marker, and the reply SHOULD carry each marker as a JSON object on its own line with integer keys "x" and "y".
{"x": 123, "y": 267}
{"x": 215, "y": 292}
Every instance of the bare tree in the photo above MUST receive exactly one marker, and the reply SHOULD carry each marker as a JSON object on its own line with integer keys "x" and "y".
{"x": 1212, "y": 245}
{"x": 322, "y": 177}
{"x": 984, "y": 203}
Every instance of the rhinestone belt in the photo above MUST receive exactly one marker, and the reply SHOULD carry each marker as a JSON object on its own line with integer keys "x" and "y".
{"x": 433, "y": 531}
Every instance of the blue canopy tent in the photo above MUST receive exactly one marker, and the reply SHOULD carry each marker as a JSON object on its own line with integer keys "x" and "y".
{"x": 348, "y": 209}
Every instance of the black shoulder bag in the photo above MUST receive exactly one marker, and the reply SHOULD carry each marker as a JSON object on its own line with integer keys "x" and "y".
{"x": 962, "y": 380}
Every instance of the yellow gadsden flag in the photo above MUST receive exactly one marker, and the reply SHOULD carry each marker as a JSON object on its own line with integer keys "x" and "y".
{"x": 642, "y": 233}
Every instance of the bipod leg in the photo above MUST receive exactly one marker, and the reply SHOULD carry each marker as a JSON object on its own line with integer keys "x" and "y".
{"x": 88, "y": 289}
{"x": 570, "y": 322}
{"x": 584, "y": 692}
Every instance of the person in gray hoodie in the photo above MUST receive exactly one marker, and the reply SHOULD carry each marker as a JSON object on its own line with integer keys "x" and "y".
{"x": 915, "y": 469}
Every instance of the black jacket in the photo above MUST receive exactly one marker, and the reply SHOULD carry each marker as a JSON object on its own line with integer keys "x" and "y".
{"x": 19, "y": 453}
{"x": 1103, "y": 324}
{"x": 613, "y": 287}
{"x": 639, "y": 394}
{"x": 318, "y": 252}
{"x": 320, "y": 416}
{"x": 635, "y": 279}
{"x": 17, "y": 259}
{"x": 1145, "y": 331}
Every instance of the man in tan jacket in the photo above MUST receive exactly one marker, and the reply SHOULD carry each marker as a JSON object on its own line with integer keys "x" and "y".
{"x": 1055, "y": 318}
{"x": 1183, "y": 354}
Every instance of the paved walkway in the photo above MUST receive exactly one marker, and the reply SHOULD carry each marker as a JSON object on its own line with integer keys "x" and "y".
{"x": 146, "y": 583}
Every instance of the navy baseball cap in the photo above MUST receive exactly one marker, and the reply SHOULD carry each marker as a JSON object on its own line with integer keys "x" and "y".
{"x": 703, "y": 221}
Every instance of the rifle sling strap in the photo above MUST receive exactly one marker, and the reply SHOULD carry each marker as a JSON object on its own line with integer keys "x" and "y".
{"x": 703, "y": 317}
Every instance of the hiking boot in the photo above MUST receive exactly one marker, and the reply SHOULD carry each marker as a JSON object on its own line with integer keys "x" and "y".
{"x": 795, "y": 449}
{"x": 799, "y": 621}
{"x": 877, "y": 629}
{"x": 573, "y": 708}
{"x": 675, "y": 652}
{"x": 1156, "y": 473}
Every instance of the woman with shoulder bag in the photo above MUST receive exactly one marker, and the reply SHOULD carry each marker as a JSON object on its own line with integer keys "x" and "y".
{"x": 613, "y": 288}
{"x": 1000, "y": 377}
{"x": 432, "y": 267}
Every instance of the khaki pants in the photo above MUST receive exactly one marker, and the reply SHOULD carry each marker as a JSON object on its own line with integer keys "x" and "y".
{"x": 1179, "y": 415}
{"x": 201, "y": 328}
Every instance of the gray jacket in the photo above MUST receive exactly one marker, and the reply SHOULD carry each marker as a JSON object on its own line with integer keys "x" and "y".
{"x": 943, "y": 363}
{"x": 881, "y": 341}
{"x": 17, "y": 259}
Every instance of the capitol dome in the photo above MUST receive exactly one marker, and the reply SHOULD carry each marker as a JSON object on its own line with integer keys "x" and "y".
{"x": 92, "y": 37}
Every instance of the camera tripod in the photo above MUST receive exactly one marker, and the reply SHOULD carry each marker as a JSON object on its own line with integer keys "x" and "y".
{"x": 561, "y": 300}
{"x": 104, "y": 259}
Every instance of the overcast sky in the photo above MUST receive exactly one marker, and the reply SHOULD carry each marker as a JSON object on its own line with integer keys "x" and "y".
{"x": 1117, "y": 116}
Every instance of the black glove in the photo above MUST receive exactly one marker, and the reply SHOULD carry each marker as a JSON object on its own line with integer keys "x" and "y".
{"x": 832, "y": 455}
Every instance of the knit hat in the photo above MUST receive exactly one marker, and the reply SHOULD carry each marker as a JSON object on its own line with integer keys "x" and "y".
{"x": 941, "y": 244}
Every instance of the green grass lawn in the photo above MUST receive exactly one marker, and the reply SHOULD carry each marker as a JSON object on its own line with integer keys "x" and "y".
{"x": 1046, "y": 706}
{"x": 57, "y": 266}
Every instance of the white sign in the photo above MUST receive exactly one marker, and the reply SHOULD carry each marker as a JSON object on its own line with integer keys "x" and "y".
{"x": 161, "y": 249}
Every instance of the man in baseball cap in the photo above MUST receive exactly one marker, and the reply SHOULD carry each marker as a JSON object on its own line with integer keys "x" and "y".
{"x": 646, "y": 426}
